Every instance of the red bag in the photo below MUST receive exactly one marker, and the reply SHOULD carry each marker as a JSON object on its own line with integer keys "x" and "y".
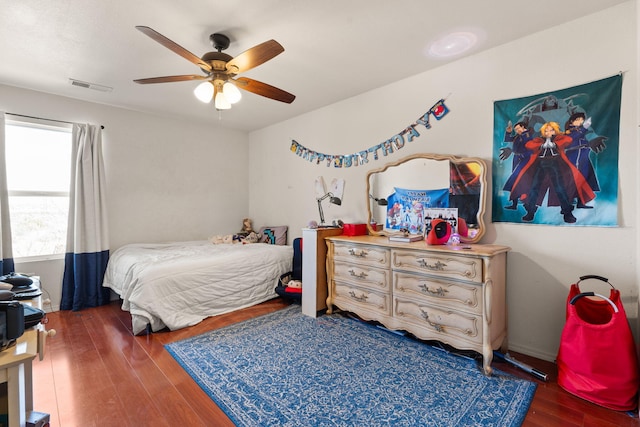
{"x": 597, "y": 359}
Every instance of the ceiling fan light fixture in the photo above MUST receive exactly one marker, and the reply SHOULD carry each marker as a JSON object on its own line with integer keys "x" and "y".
{"x": 204, "y": 91}
{"x": 220, "y": 68}
{"x": 231, "y": 92}
{"x": 222, "y": 103}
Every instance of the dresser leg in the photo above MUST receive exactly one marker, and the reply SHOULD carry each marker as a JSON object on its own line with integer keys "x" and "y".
{"x": 487, "y": 358}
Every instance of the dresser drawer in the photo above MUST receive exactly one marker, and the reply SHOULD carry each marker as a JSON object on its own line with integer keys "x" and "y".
{"x": 361, "y": 254}
{"x": 356, "y": 299}
{"x": 437, "y": 322}
{"x": 444, "y": 265}
{"x": 362, "y": 275}
{"x": 458, "y": 296}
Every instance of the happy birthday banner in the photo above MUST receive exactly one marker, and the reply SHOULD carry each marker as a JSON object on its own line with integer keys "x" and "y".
{"x": 395, "y": 143}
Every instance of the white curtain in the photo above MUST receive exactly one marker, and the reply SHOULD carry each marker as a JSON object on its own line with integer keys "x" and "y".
{"x": 6, "y": 251}
{"x": 87, "y": 250}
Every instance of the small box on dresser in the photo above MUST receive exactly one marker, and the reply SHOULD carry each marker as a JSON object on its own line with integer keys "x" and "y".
{"x": 354, "y": 229}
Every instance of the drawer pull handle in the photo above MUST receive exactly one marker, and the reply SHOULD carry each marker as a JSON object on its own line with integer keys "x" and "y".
{"x": 440, "y": 328}
{"x": 440, "y": 292}
{"x": 437, "y": 326}
{"x": 438, "y": 266}
{"x": 362, "y": 274}
{"x": 361, "y": 298}
{"x": 359, "y": 254}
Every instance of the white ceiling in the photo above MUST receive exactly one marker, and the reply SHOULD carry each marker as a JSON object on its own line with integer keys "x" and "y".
{"x": 334, "y": 49}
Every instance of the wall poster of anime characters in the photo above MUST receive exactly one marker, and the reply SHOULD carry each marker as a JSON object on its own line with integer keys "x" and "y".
{"x": 555, "y": 156}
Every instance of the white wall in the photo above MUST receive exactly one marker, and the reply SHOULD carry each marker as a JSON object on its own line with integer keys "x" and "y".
{"x": 166, "y": 179}
{"x": 544, "y": 260}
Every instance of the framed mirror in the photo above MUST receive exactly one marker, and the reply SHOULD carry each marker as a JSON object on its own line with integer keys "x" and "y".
{"x": 445, "y": 183}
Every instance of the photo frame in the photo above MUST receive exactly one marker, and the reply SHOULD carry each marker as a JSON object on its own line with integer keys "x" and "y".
{"x": 447, "y": 214}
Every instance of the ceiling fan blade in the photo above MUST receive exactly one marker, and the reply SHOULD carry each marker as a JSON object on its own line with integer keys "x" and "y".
{"x": 264, "y": 89}
{"x": 170, "y": 79}
{"x": 174, "y": 47}
{"x": 255, "y": 56}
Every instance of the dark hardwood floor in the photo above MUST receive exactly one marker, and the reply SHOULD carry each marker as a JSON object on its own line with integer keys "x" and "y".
{"x": 96, "y": 373}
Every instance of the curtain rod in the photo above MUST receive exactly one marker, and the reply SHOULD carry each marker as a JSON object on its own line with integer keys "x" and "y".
{"x": 42, "y": 118}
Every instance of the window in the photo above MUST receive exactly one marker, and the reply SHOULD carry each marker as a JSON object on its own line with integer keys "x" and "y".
{"x": 38, "y": 160}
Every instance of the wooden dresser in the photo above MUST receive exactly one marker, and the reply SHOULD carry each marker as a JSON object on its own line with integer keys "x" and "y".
{"x": 452, "y": 294}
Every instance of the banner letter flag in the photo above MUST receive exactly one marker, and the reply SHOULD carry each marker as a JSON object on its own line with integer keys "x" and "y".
{"x": 389, "y": 146}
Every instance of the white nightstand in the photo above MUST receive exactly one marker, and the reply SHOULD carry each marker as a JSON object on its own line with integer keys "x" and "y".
{"x": 314, "y": 269}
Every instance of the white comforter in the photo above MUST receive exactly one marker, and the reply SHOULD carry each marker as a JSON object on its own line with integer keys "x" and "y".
{"x": 179, "y": 284}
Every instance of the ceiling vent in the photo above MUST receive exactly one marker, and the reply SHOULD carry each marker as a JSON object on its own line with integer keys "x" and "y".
{"x": 86, "y": 85}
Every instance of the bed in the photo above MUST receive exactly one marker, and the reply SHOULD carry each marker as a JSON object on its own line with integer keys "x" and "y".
{"x": 179, "y": 284}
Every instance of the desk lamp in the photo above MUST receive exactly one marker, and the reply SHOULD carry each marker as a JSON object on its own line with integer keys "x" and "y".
{"x": 333, "y": 199}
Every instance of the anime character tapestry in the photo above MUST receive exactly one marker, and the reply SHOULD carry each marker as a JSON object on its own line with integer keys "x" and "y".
{"x": 556, "y": 156}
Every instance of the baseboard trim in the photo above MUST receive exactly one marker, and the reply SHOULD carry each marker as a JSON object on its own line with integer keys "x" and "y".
{"x": 532, "y": 352}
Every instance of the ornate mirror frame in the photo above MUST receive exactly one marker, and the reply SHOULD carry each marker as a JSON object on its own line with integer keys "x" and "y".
{"x": 465, "y": 177}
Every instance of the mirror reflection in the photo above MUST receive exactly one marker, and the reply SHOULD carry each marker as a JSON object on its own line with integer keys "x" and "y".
{"x": 406, "y": 194}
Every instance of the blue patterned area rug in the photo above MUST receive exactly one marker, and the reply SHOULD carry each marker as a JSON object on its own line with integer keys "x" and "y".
{"x": 287, "y": 369}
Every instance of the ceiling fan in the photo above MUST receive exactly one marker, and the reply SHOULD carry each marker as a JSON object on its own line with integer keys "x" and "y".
{"x": 220, "y": 81}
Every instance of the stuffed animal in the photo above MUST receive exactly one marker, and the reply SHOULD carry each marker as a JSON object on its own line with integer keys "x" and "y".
{"x": 463, "y": 230}
{"x": 247, "y": 227}
{"x": 217, "y": 239}
{"x": 246, "y": 235}
{"x": 440, "y": 232}
{"x": 295, "y": 284}
{"x": 252, "y": 237}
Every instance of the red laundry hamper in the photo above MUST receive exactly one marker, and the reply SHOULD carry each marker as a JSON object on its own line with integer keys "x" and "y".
{"x": 597, "y": 359}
